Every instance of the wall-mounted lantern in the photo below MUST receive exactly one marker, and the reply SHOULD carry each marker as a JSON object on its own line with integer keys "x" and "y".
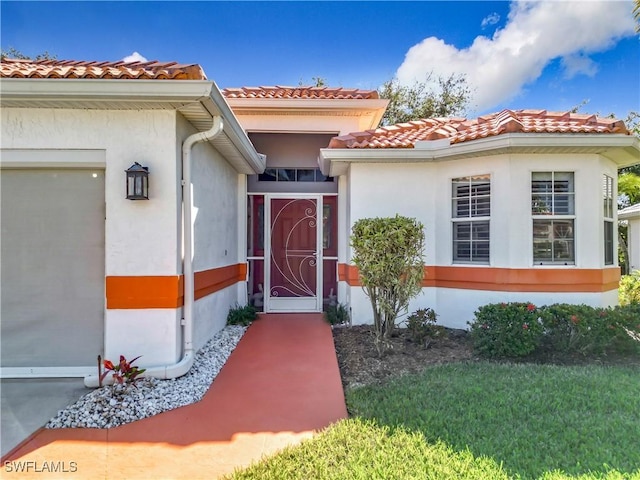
{"x": 137, "y": 182}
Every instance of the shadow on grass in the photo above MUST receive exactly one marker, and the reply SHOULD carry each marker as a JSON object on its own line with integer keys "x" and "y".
{"x": 478, "y": 421}
{"x": 535, "y": 420}
{"x": 361, "y": 449}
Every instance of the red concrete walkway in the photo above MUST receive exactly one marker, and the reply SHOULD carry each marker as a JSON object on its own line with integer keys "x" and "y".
{"x": 280, "y": 385}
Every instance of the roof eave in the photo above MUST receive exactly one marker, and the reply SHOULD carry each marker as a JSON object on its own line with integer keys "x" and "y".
{"x": 255, "y": 162}
{"x": 624, "y": 150}
{"x": 371, "y": 107}
{"x": 34, "y": 91}
{"x": 197, "y": 100}
{"x": 629, "y": 213}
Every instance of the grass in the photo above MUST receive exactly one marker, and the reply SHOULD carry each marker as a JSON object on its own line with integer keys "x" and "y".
{"x": 479, "y": 421}
{"x": 359, "y": 449}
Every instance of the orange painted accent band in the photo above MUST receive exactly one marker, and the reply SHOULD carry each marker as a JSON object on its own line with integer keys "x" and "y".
{"x": 144, "y": 292}
{"x": 211, "y": 281}
{"x": 168, "y": 291}
{"x": 349, "y": 274}
{"x": 508, "y": 279}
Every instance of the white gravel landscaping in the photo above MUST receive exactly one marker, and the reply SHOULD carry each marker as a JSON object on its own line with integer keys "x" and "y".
{"x": 111, "y": 406}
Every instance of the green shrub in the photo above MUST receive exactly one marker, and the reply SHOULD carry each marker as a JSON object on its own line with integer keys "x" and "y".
{"x": 388, "y": 253}
{"x": 578, "y": 328}
{"x": 499, "y": 329}
{"x": 421, "y": 326}
{"x": 629, "y": 290}
{"x": 506, "y": 330}
{"x": 626, "y": 319}
{"x": 589, "y": 330}
{"x": 242, "y": 315}
{"x": 337, "y": 315}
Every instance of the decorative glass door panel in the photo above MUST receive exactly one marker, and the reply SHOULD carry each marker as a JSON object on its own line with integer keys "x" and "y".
{"x": 294, "y": 255}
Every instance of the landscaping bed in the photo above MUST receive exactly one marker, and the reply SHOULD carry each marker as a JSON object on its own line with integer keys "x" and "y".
{"x": 360, "y": 363}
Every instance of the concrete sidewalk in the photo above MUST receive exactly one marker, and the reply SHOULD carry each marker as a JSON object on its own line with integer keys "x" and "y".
{"x": 28, "y": 404}
{"x": 280, "y": 385}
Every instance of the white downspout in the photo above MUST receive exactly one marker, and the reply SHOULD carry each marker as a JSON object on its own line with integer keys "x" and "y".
{"x": 187, "y": 231}
{"x": 178, "y": 369}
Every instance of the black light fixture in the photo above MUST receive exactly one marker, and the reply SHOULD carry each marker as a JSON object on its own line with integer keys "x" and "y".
{"x": 137, "y": 182}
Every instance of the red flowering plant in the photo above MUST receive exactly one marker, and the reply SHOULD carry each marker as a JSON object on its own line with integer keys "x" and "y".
{"x": 578, "y": 329}
{"x": 506, "y": 330}
{"x": 588, "y": 330}
{"x": 518, "y": 329}
{"x": 124, "y": 373}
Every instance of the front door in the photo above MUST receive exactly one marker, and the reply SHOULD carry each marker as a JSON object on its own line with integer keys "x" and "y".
{"x": 294, "y": 266}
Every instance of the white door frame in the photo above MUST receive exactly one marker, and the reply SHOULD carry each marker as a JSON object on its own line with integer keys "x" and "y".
{"x": 292, "y": 304}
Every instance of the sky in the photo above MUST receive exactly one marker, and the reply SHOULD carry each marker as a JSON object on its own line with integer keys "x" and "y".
{"x": 554, "y": 55}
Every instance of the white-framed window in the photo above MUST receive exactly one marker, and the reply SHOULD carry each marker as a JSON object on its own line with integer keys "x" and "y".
{"x": 553, "y": 212}
{"x": 293, "y": 175}
{"x": 607, "y": 200}
{"x": 471, "y": 213}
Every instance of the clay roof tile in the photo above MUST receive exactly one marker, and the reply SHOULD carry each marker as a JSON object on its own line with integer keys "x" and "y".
{"x": 460, "y": 130}
{"x": 312, "y": 92}
{"x": 151, "y": 70}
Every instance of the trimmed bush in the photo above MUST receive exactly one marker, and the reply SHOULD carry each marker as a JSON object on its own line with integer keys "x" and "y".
{"x": 499, "y": 331}
{"x": 588, "y": 330}
{"x": 388, "y": 253}
{"x": 629, "y": 290}
{"x": 506, "y": 330}
{"x": 579, "y": 328}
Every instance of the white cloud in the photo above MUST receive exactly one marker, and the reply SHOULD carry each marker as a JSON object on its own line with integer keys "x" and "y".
{"x": 578, "y": 64}
{"x": 134, "y": 57}
{"x": 536, "y": 33}
{"x": 491, "y": 19}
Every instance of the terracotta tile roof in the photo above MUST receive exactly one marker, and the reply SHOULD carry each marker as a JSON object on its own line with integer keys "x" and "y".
{"x": 300, "y": 92}
{"x": 14, "y": 68}
{"x": 458, "y": 130}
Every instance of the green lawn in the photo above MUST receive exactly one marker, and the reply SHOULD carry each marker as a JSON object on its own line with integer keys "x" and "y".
{"x": 479, "y": 421}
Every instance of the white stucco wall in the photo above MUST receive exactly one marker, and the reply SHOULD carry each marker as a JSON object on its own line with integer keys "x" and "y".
{"x": 423, "y": 191}
{"x": 634, "y": 243}
{"x": 215, "y": 216}
{"x": 303, "y": 122}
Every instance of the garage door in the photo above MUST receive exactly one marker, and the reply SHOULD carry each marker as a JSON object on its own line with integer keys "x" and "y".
{"x": 52, "y": 267}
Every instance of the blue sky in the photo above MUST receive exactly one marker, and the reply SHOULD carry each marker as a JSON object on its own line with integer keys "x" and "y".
{"x": 543, "y": 54}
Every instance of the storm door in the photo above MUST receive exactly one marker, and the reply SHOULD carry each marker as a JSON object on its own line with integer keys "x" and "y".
{"x": 294, "y": 268}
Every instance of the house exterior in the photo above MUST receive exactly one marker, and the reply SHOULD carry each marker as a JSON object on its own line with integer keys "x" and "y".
{"x": 516, "y": 206}
{"x": 86, "y": 271}
{"x": 631, "y": 215}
